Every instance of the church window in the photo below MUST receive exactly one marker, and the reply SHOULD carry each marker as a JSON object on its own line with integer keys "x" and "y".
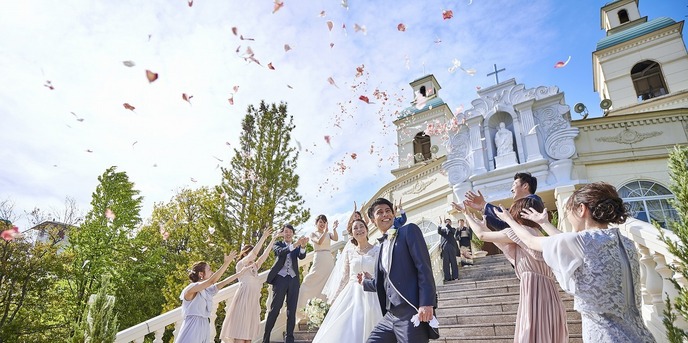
{"x": 421, "y": 147}
{"x": 623, "y": 16}
{"x": 649, "y": 201}
{"x": 429, "y": 230}
{"x": 648, "y": 80}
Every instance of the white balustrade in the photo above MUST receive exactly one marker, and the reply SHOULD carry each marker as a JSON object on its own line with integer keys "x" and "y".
{"x": 157, "y": 325}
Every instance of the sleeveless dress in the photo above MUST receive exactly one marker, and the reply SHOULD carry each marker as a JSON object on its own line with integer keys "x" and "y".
{"x": 196, "y": 313}
{"x": 600, "y": 269}
{"x": 354, "y": 312}
{"x": 541, "y": 315}
{"x": 314, "y": 281}
{"x": 242, "y": 320}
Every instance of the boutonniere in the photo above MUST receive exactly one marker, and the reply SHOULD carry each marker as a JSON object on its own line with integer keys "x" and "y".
{"x": 391, "y": 233}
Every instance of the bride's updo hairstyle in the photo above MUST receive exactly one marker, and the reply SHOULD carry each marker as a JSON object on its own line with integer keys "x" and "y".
{"x": 523, "y": 204}
{"x": 602, "y": 200}
{"x": 351, "y": 229}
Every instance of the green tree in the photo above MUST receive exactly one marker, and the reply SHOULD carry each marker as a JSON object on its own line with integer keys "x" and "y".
{"x": 259, "y": 189}
{"x": 678, "y": 170}
{"x": 101, "y": 245}
{"x": 98, "y": 324}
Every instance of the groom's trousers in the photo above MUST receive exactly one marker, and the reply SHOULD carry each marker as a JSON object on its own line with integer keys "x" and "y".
{"x": 396, "y": 326}
{"x": 283, "y": 286}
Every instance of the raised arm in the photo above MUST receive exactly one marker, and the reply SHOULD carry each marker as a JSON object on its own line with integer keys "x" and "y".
{"x": 541, "y": 219}
{"x": 226, "y": 281}
{"x": 266, "y": 251}
{"x": 334, "y": 236}
{"x": 262, "y": 239}
{"x": 533, "y": 242}
{"x": 480, "y": 227}
{"x": 191, "y": 293}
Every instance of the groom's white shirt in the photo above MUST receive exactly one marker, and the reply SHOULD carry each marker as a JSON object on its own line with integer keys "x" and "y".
{"x": 386, "y": 253}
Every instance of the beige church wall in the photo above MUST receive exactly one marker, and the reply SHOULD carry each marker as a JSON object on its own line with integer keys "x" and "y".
{"x": 620, "y": 173}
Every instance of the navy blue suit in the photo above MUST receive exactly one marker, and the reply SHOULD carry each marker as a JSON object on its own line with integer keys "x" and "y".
{"x": 283, "y": 286}
{"x": 493, "y": 222}
{"x": 411, "y": 274}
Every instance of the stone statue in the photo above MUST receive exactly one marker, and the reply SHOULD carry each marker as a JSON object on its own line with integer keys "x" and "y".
{"x": 504, "y": 140}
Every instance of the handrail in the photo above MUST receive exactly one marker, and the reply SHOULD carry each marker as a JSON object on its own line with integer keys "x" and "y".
{"x": 157, "y": 325}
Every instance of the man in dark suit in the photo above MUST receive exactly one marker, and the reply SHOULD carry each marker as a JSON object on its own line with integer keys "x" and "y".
{"x": 403, "y": 279}
{"x": 449, "y": 250}
{"x": 284, "y": 278}
{"x": 524, "y": 186}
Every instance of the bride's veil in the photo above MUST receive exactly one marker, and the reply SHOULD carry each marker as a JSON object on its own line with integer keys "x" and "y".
{"x": 332, "y": 285}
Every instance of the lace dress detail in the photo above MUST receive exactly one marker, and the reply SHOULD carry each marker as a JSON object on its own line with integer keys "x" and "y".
{"x": 600, "y": 269}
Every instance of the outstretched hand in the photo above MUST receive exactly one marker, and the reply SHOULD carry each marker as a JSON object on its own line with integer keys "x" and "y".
{"x": 475, "y": 201}
{"x": 230, "y": 257}
{"x": 503, "y": 214}
{"x": 267, "y": 233}
{"x": 535, "y": 216}
{"x": 335, "y": 225}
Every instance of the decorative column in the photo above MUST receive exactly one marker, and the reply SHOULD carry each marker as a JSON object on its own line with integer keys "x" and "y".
{"x": 158, "y": 335}
{"x": 645, "y": 263}
{"x": 477, "y": 149}
{"x": 653, "y": 282}
{"x": 532, "y": 145}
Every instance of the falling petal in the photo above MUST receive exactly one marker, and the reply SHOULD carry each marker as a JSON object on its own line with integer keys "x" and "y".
{"x": 447, "y": 14}
{"x": 211, "y": 230}
{"x": 345, "y": 4}
{"x": 330, "y": 25}
{"x": 245, "y": 38}
{"x": 270, "y": 66}
{"x": 438, "y": 40}
{"x": 11, "y": 234}
{"x": 331, "y": 81}
{"x": 361, "y": 28}
{"x": 235, "y": 89}
{"x": 278, "y": 5}
{"x": 353, "y": 156}
{"x": 129, "y": 63}
{"x": 48, "y": 84}
{"x": 401, "y": 27}
{"x": 322, "y": 14}
{"x": 132, "y": 144}
{"x": 469, "y": 71}
{"x": 562, "y": 64}
{"x": 133, "y": 258}
{"x": 298, "y": 144}
{"x": 129, "y": 107}
{"x": 290, "y": 87}
{"x": 286, "y": 47}
{"x": 109, "y": 214}
{"x": 190, "y": 2}
{"x": 187, "y": 98}
{"x": 327, "y": 140}
{"x": 151, "y": 76}
{"x": 364, "y": 99}
{"x": 359, "y": 70}
{"x": 193, "y": 180}
{"x": 85, "y": 263}
{"x": 231, "y": 99}
{"x": 331, "y": 45}
{"x": 89, "y": 150}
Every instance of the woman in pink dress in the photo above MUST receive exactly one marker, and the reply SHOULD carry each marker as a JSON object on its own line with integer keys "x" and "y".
{"x": 242, "y": 322}
{"x": 541, "y": 315}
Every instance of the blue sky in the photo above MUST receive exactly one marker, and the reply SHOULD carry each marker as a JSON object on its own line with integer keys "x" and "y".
{"x": 167, "y": 144}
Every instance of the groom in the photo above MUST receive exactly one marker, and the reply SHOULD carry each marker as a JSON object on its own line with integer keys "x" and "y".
{"x": 403, "y": 270}
{"x": 284, "y": 278}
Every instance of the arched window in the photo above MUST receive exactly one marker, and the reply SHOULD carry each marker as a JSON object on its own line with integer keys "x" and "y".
{"x": 429, "y": 230}
{"x": 648, "y": 80}
{"x": 623, "y": 16}
{"x": 421, "y": 147}
{"x": 649, "y": 201}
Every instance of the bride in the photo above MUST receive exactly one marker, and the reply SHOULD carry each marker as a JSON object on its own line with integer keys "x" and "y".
{"x": 354, "y": 312}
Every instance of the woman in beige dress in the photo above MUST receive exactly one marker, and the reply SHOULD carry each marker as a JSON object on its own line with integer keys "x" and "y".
{"x": 541, "y": 315}
{"x": 322, "y": 266}
{"x": 242, "y": 321}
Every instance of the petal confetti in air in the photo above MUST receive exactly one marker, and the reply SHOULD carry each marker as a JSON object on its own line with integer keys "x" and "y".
{"x": 211, "y": 230}
{"x": 361, "y": 28}
{"x": 129, "y": 107}
{"x": 129, "y": 63}
{"x": 447, "y": 14}
{"x": 49, "y": 84}
{"x": 270, "y": 66}
{"x": 235, "y": 89}
{"x": 193, "y": 180}
{"x": 330, "y": 25}
{"x": 345, "y": 4}
{"x": 364, "y": 99}
{"x": 359, "y": 70}
{"x": 190, "y": 2}
{"x": 353, "y": 156}
{"x": 286, "y": 47}
{"x": 245, "y": 38}
{"x": 331, "y": 45}
{"x": 89, "y": 151}
{"x": 401, "y": 27}
{"x": 109, "y": 214}
{"x": 235, "y": 31}
{"x": 298, "y": 144}
{"x": 151, "y": 76}
{"x": 11, "y": 234}
{"x": 562, "y": 64}
{"x": 322, "y": 14}
{"x": 231, "y": 99}
{"x": 327, "y": 140}
{"x": 330, "y": 80}
{"x": 187, "y": 98}
{"x": 469, "y": 71}
{"x": 278, "y": 5}
{"x": 455, "y": 65}
{"x": 438, "y": 40}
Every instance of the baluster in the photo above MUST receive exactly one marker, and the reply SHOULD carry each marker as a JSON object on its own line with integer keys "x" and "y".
{"x": 678, "y": 277}
{"x": 177, "y": 327}
{"x": 668, "y": 287}
{"x": 646, "y": 263}
{"x": 664, "y": 274}
{"x": 653, "y": 282}
{"x": 157, "y": 338}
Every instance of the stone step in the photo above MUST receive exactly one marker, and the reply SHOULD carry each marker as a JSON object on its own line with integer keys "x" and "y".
{"x": 462, "y": 284}
{"x": 496, "y": 290}
{"x": 491, "y": 308}
{"x": 504, "y": 317}
{"x": 493, "y": 339}
{"x": 479, "y": 275}
{"x": 494, "y": 329}
{"x": 486, "y": 298}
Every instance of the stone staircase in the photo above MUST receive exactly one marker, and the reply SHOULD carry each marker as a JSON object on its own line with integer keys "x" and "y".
{"x": 480, "y": 307}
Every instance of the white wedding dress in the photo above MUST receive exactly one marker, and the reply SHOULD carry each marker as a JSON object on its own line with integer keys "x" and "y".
{"x": 355, "y": 312}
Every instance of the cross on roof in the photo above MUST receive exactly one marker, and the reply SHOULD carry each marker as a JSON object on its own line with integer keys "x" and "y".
{"x": 496, "y": 73}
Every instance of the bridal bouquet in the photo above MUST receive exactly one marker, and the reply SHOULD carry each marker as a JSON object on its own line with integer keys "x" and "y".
{"x": 316, "y": 310}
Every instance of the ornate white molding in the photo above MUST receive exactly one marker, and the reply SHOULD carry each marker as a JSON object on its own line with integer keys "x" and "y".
{"x": 633, "y": 44}
{"x": 638, "y": 122}
{"x": 420, "y": 186}
{"x": 559, "y": 145}
{"x": 628, "y": 136}
{"x": 508, "y": 96}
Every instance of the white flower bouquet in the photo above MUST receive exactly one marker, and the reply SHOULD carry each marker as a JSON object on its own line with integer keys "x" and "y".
{"x": 316, "y": 310}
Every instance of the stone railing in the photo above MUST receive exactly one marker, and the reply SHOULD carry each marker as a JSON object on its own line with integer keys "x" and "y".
{"x": 436, "y": 260}
{"x": 655, "y": 274}
{"x": 157, "y": 325}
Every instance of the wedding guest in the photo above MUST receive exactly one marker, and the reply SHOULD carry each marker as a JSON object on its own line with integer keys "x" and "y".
{"x": 323, "y": 263}
{"x": 197, "y": 300}
{"x": 284, "y": 278}
{"x": 464, "y": 235}
{"x": 401, "y": 219}
{"x": 355, "y": 215}
{"x": 449, "y": 250}
{"x": 242, "y": 322}
{"x": 354, "y": 312}
{"x": 596, "y": 264}
{"x": 541, "y": 315}
{"x": 524, "y": 186}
